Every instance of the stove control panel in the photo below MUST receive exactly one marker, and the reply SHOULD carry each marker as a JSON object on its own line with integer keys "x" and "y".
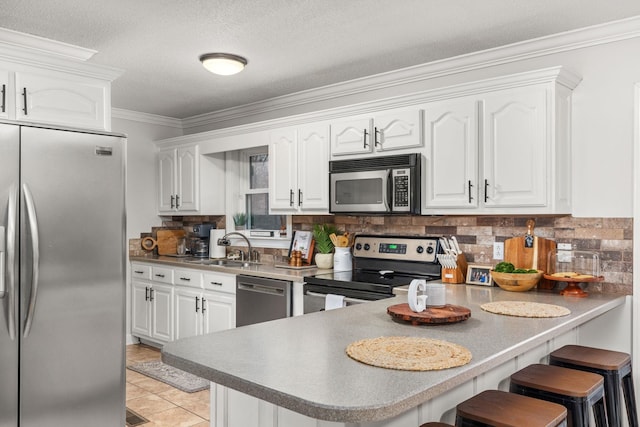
{"x": 416, "y": 248}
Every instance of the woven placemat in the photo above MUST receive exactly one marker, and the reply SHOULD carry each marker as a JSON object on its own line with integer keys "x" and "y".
{"x": 409, "y": 353}
{"x": 525, "y": 309}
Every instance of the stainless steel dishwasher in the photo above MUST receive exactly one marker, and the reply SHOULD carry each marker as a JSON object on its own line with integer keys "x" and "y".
{"x": 259, "y": 299}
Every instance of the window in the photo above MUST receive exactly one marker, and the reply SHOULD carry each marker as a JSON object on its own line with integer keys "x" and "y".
{"x": 255, "y": 186}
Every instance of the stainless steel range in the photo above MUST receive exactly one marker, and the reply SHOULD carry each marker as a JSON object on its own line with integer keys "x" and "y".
{"x": 380, "y": 263}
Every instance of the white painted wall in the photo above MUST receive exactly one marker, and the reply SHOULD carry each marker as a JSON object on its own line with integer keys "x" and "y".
{"x": 141, "y": 182}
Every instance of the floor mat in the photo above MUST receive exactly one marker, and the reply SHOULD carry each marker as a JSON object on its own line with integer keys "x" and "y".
{"x": 134, "y": 419}
{"x": 173, "y": 376}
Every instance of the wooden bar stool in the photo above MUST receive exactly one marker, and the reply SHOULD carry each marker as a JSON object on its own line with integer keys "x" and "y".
{"x": 576, "y": 390}
{"x": 501, "y": 409}
{"x": 433, "y": 424}
{"x": 614, "y": 366}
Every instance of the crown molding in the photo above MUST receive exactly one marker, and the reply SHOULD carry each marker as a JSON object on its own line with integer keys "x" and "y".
{"x": 33, "y": 51}
{"x": 118, "y": 113}
{"x": 562, "y": 42}
{"x": 45, "y": 46}
{"x": 558, "y": 74}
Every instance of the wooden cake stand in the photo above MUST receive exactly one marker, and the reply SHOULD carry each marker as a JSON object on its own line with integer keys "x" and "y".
{"x": 573, "y": 289}
{"x": 431, "y": 316}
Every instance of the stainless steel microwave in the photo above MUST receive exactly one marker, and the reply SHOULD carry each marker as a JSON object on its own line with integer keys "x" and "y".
{"x": 380, "y": 185}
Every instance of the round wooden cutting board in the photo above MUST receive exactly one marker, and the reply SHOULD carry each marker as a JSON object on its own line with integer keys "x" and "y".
{"x": 431, "y": 316}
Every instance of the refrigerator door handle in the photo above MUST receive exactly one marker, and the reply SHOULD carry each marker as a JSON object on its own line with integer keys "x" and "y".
{"x": 3, "y": 283}
{"x": 12, "y": 230}
{"x": 35, "y": 244}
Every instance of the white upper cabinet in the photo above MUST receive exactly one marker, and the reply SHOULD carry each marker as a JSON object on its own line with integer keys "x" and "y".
{"x": 46, "y": 98}
{"x": 189, "y": 182}
{"x": 516, "y": 147}
{"x": 299, "y": 169}
{"x": 451, "y": 145}
{"x": 395, "y": 129}
{"x": 53, "y": 83}
{"x": 501, "y": 151}
{"x": 4, "y": 96}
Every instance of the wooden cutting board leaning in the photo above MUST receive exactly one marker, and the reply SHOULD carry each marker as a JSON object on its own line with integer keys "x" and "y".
{"x": 530, "y": 251}
{"x": 168, "y": 241}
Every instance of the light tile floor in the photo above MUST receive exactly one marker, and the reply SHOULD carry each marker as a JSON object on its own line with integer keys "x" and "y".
{"x": 160, "y": 403}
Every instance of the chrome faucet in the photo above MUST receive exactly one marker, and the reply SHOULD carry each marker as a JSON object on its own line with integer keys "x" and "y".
{"x": 224, "y": 241}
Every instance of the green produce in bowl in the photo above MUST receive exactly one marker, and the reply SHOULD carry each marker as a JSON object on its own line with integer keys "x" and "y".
{"x": 507, "y": 267}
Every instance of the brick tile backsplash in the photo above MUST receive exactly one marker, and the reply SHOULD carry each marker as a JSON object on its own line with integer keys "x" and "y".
{"x": 610, "y": 237}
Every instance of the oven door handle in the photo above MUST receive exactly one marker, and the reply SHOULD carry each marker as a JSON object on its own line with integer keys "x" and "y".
{"x": 346, "y": 299}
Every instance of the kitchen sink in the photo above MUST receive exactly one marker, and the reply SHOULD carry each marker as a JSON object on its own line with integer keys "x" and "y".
{"x": 223, "y": 262}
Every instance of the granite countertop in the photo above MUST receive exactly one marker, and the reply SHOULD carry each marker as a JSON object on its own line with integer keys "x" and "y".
{"x": 300, "y": 362}
{"x": 270, "y": 271}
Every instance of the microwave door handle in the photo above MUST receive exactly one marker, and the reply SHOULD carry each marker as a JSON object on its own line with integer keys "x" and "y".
{"x": 388, "y": 184}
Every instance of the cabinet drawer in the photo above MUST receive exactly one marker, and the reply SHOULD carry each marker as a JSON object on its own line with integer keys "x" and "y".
{"x": 141, "y": 271}
{"x": 162, "y": 274}
{"x": 191, "y": 278}
{"x": 220, "y": 282}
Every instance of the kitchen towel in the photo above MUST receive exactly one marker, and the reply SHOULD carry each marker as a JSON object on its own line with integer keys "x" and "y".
{"x": 216, "y": 251}
{"x": 333, "y": 301}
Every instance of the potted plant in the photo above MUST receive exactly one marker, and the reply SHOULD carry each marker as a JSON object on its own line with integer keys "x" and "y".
{"x": 323, "y": 244}
{"x": 240, "y": 220}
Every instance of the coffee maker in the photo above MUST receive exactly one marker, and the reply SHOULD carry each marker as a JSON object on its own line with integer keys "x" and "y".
{"x": 198, "y": 239}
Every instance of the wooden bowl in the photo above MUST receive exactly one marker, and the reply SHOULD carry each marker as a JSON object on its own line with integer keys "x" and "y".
{"x": 518, "y": 282}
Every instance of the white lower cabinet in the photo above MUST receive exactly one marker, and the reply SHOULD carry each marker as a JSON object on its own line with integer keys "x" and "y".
{"x": 171, "y": 303}
{"x": 151, "y": 306}
{"x": 202, "y": 312}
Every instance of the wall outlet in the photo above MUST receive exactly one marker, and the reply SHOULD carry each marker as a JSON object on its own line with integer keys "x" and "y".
{"x": 498, "y": 250}
{"x": 564, "y": 246}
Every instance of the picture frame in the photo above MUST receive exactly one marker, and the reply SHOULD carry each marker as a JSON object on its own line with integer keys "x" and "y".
{"x": 302, "y": 241}
{"x": 478, "y": 274}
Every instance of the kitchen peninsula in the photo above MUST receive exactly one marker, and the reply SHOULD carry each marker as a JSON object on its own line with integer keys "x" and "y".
{"x": 295, "y": 372}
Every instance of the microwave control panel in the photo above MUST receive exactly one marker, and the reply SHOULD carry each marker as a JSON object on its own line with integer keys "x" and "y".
{"x": 401, "y": 190}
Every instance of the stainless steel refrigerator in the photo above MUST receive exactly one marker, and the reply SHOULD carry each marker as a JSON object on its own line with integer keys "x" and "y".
{"x": 62, "y": 281}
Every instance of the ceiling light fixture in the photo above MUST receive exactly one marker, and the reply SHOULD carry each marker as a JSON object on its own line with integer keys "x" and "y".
{"x": 224, "y": 64}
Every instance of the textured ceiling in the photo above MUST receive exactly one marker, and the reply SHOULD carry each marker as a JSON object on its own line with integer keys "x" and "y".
{"x": 291, "y": 45}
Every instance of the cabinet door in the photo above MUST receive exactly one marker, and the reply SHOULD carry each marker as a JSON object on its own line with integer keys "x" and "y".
{"x": 188, "y": 304}
{"x": 161, "y": 307}
{"x": 515, "y": 147}
{"x": 451, "y": 136}
{"x": 351, "y": 137}
{"x": 398, "y": 129}
{"x": 313, "y": 167}
{"x": 140, "y": 309}
{"x": 62, "y": 101}
{"x": 5, "y": 94}
{"x": 167, "y": 180}
{"x": 188, "y": 173}
{"x": 283, "y": 186}
{"x": 219, "y": 312}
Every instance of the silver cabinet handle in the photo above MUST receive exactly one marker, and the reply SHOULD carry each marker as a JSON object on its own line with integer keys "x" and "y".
{"x": 204, "y": 307}
{"x": 12, "y": 221}
{"x": 172, "y": 197}
{"x": 24, "y": 99}
{"x": 4, "y": 98}
{"x": 216, "y": 283}
{"x": 35, "y": 243}
{"x": 177, "y": 201}
{"x": 197, "y": 304}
